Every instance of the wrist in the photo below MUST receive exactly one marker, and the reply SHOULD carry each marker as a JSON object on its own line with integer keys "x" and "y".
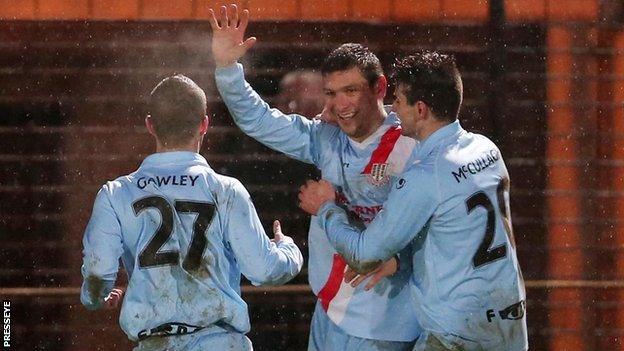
{"x": 284, "y": 240}
{"x": 325, "y": 206}
{"x": 224, "y": 64}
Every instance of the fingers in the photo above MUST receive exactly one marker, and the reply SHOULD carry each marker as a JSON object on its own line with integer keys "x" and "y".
{"x": 386, "y": 269}
{"x": 229, "y": 18}
{"x": 113, "y": 298}
{"x": 313, "y": 194}
{"x": 305, "y": 190}
{"x": 354, "y": 278}
{"x": 116, "y": 294}
{"x": 214, "y": 24}
{"x": 224, "y": 17}
{"x": 277, "y": 232}
{"x": 349, "y": 275}
{"x": 247, "y": 44}
{"x": 303, "y": 201}
{"x": 244, "y": 20}
{"x": 233, "y": 16}
{"x": 277, "y": 227}
{"x": 376, "y": 278}
{"x": 359, "y": 279}
{"x": 306, "y": 187}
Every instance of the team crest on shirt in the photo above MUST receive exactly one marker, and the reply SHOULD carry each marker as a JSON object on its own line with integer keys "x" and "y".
{"x": 379, "y": 174}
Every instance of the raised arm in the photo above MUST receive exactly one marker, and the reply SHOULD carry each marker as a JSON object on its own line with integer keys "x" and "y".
{"x": 262, "y": 261}
{"x": 293, "y": 135}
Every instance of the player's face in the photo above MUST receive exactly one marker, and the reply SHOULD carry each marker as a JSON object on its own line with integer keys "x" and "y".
{"x": 407, "y": 113}
{"x": 352, "y": 101}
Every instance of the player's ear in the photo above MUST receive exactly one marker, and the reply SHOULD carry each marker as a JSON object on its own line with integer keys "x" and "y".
{"x": 422, "y": 109}
{"x": 381, "y": 87}
{"x": 204, "y": 125}
{"x": 149, "y": 124}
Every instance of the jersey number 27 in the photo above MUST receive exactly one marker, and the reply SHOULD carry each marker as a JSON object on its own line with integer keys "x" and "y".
{"x": 150, "y": 255}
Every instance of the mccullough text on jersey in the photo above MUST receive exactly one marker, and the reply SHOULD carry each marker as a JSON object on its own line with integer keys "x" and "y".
{"x": 484, "y": 161}
{"x": 179, "y": 180}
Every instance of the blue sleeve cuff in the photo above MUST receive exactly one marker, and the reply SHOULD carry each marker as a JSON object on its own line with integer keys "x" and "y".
{"x": 229, "y": 73}
{"x": 326, "y": 211}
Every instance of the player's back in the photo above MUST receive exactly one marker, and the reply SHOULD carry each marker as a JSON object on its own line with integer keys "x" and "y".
{"x": 467, "y": 250}
{"x": 177, "y": 274}
{"x": 186, "y": 233}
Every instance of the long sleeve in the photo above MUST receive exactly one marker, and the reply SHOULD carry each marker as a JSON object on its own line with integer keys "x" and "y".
{"x": 260, "y": 260}
{"x": 404, "y": 215}
{"x": 293, "y": 135}
{"x": 102, "y": 248}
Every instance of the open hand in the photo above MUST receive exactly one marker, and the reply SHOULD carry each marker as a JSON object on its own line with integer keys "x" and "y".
{"x": 228, "y": 32}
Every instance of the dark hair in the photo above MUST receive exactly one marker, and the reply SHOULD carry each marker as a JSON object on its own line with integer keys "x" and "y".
{"x": 351, "y": 55}
{"x": 432, "y": 78}
{"x": 177, "y": 106}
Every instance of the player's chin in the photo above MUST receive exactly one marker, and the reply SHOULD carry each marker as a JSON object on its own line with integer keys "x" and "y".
{"x": 347, "y": 126}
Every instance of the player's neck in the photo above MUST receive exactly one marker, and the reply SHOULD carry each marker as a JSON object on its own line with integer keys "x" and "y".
{"x": 429, "y": 129}
{"x": 378, "y": 116}
{"x": 194, "y": 146}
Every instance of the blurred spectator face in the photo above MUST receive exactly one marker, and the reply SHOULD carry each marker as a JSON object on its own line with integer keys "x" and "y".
{"x": 301, "y": 92}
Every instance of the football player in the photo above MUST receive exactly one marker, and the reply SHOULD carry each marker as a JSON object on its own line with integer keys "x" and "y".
{"x": 452, "y": 205}
{"x": 362, "y": 156}
{"x": 184, "y": 234}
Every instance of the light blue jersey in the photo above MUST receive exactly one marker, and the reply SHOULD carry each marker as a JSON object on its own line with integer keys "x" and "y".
{"x": 363, "y": 173}
{"x": 452, "y": 203}
{"x": 184, "y": 234}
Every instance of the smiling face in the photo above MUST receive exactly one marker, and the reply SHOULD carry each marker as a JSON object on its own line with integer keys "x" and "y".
{"x": 353, "y": 102}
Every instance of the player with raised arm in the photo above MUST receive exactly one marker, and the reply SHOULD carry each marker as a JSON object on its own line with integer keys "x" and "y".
{"x": 361, "y": 156}
{"x": 452, "y": 205}
{"x": 184, "y": 234}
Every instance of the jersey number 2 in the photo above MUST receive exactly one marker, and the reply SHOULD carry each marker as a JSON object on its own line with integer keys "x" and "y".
{"x": 484, "y": 254}
{"x": 150, "y": 255}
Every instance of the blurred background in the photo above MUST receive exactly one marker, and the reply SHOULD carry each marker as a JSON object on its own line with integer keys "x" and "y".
{"x": 543, "y": 78}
